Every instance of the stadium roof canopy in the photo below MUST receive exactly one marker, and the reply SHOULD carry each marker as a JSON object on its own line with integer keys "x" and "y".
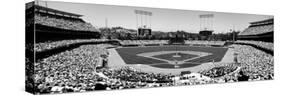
{"x": 46, "y": 9}
{"x": 262, "y": 22}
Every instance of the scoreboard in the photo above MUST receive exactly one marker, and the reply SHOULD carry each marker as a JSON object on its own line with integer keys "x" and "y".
{"x": 144, "y": 31}
{"x": 206, "y": 32}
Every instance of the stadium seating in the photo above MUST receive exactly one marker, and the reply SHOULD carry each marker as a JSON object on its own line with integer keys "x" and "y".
{"x": 254, "y": 65}
{"x": 257, "y": 30}
{"x": 43, "y": 46}
{"x": 206, "y": 43}
{"x": 72, "y": 71}
{"x": 159, "y": 42}
{"x": 266, "y": 45}
{"x": 143, "y": 42}
{"x": 63, "y": 23}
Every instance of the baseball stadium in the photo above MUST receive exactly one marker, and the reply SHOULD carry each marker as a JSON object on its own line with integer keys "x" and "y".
{"x": 67, "y": 53}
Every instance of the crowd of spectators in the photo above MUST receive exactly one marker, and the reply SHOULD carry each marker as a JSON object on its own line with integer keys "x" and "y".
{"x": 42, "y": 46}
{"x": 206, "y": 43}
{"x": 257, "y": 30}
{"x": 219, "y": 71}
{"x": 256, "y": 64}
{"x": 133, "y": 75}
{"x": 266, "y": 45}
{"x": 63, "y": 23}
{"x": 253, "y": 65}
{"x": 143, "y": 42}
{"x": 161, "y": 42}
{"x": 54, "y": 44}
{"x": 193, "y": 79}
{"x": 69, "y": 71}
{"x": 75, "y": 71}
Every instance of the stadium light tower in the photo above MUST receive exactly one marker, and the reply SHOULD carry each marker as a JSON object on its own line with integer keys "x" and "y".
{"x": 143, "y": 22}
{"x": 233, "y": 33}
{"x": 106, "y": 23}
{"x": 206, "y": 25}
{"x": 206, "y": 22}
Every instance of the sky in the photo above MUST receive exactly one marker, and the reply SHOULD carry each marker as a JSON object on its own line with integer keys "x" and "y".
{"x": 165, "y": 20}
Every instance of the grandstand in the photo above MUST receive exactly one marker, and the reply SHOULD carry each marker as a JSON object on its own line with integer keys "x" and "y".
{"x": 259, "y": 31}
{"x": 70, "y": 55}
{"x": 259, "y": 34}
{"x": 52, "y": 24}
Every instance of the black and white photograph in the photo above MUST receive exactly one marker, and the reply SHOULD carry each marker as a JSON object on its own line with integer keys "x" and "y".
{"x": 86, "y": 47}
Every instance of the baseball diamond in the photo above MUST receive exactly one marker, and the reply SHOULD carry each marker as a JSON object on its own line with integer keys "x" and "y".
{"x": 129, "y": 55}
